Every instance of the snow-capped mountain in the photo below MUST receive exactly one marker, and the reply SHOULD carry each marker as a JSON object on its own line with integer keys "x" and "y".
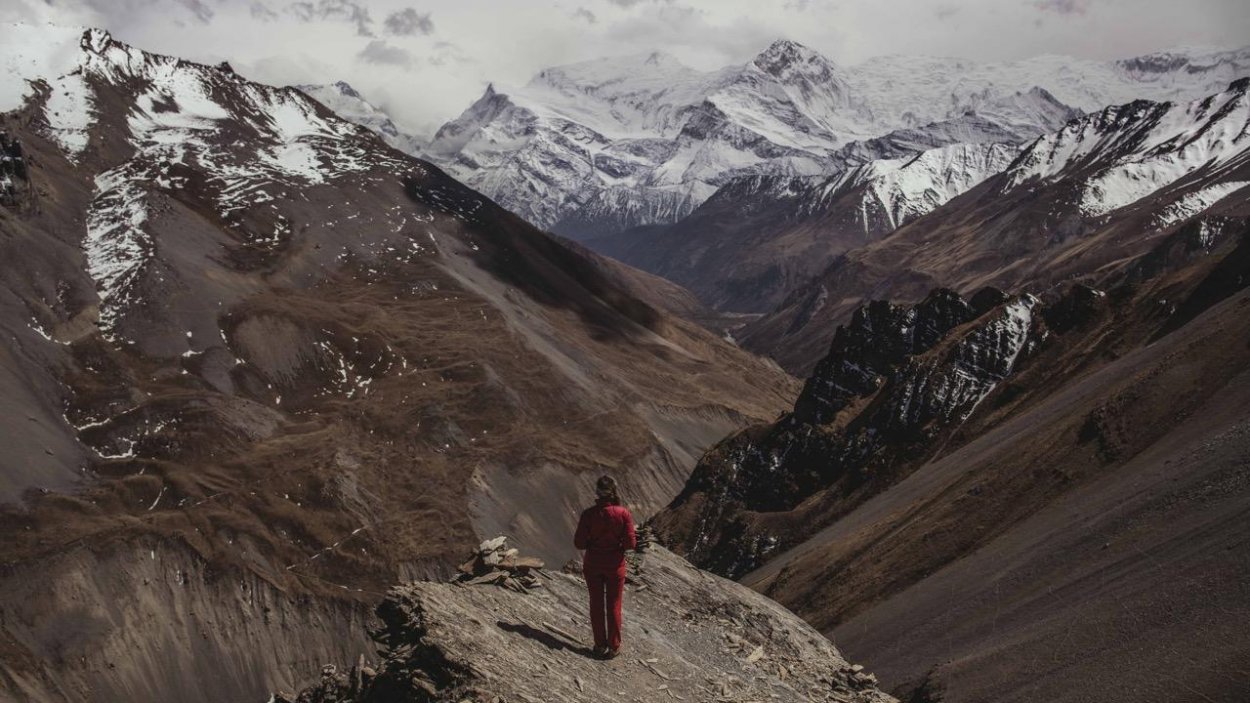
{"x": 758, "y": 237}
{"x": 182, "y": 130}
{"x": 590, "y": 148}
{"x": 1080, "y": 202}
{"x": 1128, "y": 152}
{"x": 893, "y": 192}
{"x": 349, "y": 104}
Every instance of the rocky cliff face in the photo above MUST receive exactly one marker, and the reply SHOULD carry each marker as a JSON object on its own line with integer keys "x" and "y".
{"x": 1008, "y": 475}
{"x": 897, "y": 380}
{"x": 688, "y": 636}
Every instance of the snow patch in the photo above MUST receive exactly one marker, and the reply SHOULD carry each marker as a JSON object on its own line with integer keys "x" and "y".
{"x": 117, "y": 245}
{"x": 1190, "y": 204}
{"x": 70, "y": 113}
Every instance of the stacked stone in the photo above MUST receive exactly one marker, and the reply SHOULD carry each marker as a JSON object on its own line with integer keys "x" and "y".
{"x": 635, "y": 572}
{"x": 646, "y": 537}
{"x": 494, "y": 563}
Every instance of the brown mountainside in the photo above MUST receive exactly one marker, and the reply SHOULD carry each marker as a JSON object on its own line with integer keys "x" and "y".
{"x": 982, "y": 513}
{"x": 257, "y": 366}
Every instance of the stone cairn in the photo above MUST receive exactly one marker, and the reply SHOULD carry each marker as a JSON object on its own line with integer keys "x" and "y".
{"x": 494, "y": 563}
{"x": 634, "y": 573}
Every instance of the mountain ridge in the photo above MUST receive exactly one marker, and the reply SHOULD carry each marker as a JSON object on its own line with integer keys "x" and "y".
{"x": 556, "y": 132}
{"x": 1079, "y": 203}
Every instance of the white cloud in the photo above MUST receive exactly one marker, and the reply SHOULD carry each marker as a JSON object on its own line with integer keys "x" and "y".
{"x": 380, "y": 52}
{"x": 408, "y": 21}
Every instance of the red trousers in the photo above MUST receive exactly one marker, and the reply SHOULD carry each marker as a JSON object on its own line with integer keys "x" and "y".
{"x": 605, "y": 605}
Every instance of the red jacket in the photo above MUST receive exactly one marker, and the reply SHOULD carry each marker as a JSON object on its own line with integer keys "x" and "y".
{"x": 605, "y": 531}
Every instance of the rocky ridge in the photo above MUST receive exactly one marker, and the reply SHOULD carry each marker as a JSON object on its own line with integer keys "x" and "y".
{"x": 688, "y": 636}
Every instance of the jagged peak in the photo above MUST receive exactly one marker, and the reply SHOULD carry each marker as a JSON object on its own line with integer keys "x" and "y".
{"x": 346, "y": 89}
{"x": 491, "y": 97}
{"x": 784, "y": 53}
{"x": 96, "y": 40}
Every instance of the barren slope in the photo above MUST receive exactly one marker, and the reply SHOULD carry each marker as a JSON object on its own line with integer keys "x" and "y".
{"x": 1100, "y": 536}
{"x": 257, "y": 365}
{"x": 1020, "y": 529}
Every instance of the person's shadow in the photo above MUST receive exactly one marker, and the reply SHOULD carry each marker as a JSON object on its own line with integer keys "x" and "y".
{"x": 545, "y": 638}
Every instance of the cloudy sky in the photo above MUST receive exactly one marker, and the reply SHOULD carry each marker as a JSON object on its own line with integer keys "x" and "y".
{"x": 426, "y": 60}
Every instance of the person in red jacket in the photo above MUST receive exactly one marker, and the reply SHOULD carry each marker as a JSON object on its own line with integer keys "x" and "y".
{"x": 605, "y": 531}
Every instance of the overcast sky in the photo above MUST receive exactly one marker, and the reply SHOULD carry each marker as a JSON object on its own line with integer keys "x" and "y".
{"x": 426, "y": 60}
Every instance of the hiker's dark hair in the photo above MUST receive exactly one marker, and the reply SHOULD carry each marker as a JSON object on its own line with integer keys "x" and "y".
{"x": 605, "y": 488}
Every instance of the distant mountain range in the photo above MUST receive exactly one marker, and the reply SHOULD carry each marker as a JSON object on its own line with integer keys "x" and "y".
{"x": 744, "y": 184}
{"x": 593, "y": 148}
{"x": 759, "y": 238}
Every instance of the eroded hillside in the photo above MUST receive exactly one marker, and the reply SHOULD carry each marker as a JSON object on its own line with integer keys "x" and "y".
{"x": 258, "y": 365}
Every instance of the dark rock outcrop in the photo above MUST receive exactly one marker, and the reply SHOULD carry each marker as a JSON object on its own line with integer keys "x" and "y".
{"x": 879, "y": 338}
{"x": 13, "y": 171}
{"x": 896, "y": 380}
